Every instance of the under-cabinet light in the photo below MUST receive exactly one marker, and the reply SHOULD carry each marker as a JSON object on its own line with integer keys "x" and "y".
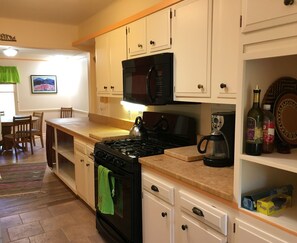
{"x": 133, "y": 107}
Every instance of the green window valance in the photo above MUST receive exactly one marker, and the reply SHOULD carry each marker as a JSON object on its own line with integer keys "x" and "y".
{"x": 9, "y": 75}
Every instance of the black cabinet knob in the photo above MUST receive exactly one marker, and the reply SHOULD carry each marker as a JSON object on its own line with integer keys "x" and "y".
{"x": 200, "y": 86}
{"x": 184, "y": 227}
{"x": 164, "y": 214}
{"x": 105, "y": 87}
{"x": 112, "y": 87}
{"x": 288, "y": 2}
{"x": 139, "y": 45}
{"x": 223, "y": 85}
{"x": 152, "y": 42}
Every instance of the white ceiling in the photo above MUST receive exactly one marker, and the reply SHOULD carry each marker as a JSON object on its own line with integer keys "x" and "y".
{"x": 71, "y": 12}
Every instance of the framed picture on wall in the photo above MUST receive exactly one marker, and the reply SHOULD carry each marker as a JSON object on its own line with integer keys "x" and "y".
{"x": 44, "y": 84}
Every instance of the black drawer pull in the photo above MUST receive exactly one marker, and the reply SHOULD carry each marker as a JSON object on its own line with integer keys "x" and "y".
{"x": 197, "y": 211}
{"x": 154, "y": 188}
{"x": 163, "y": 214}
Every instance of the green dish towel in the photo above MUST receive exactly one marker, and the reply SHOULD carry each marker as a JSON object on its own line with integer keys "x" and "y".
{"x": 105, "y": 190}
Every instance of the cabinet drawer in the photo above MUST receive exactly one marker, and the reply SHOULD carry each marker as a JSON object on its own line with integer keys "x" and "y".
{"x": 79, "y": 146}
{"x": 159, "y": 188}
{"x": 204, "y": 212}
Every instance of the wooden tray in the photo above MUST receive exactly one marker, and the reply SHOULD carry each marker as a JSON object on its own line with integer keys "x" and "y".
{"x": 188, "y": 153}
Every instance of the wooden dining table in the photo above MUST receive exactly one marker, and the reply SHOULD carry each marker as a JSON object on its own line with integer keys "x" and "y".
{"x": 7, "y": 123}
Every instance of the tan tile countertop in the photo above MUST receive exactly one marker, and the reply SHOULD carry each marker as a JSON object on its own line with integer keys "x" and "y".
{"x": 216, "y": 181}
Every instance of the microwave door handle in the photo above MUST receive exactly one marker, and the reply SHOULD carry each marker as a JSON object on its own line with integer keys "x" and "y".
{"x": 148, "y": 83}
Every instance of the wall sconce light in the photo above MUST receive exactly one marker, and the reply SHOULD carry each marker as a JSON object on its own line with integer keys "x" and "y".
{"x": 10, "y": 52}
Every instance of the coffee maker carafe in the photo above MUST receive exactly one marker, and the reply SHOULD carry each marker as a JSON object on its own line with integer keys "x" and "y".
{"x": 219, "y": 145}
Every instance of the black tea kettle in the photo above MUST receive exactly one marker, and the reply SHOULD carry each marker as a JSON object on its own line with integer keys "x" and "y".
{"x": 138, "y": 130}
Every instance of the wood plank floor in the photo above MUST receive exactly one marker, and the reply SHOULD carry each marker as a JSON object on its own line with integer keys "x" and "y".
{"x": 54, "y": 215}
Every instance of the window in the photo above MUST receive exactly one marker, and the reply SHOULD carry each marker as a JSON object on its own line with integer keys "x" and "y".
{"x": 7, "y": 101}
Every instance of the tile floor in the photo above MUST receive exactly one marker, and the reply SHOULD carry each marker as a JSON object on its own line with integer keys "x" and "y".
{"x": 55, "y": 216}
{"x": 67, "y": 222}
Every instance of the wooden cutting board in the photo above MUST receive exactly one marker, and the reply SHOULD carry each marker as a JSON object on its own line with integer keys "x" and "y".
{"x": 110, "y": 134}
{"x": 188, "y": 153}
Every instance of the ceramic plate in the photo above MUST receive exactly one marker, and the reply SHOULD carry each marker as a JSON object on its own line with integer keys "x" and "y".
{"x": 285, "y": 112}
{"x": 277, "y": 88}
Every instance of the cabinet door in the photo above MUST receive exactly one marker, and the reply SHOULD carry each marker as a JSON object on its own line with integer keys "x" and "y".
{"x": 193, "y": 231}
{"x": 89, "y": 177}
{"x": 246, "y": 233}
{"x": 159, "y": 30}
{"x": 102, "y": 64}
{"x": 225, "y": 48}
{"x": 191, "y": 32}
{"x": 80, "y": 179}
{"x": 136, "y": 37}
{"x": 117, "y": 45}
{"x": 266, "y": 13}
{"x": 157, "y": 218}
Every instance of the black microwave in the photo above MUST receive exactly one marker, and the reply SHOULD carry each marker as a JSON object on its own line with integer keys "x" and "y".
{"x": 148, "y": 80}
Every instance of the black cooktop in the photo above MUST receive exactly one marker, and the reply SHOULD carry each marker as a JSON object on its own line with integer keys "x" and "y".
{"x": 180, "y": 131}
{"x": 135, "y": 148}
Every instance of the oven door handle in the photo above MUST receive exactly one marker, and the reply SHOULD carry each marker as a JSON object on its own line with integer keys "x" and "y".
{"x": 116, "y": 175}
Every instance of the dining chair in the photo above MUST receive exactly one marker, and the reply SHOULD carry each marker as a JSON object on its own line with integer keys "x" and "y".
{"x": 21, "y": 134}
{"x": 66, "y": 112}
{"x": 1, "y": 142}
{"x": 37, "y": 127}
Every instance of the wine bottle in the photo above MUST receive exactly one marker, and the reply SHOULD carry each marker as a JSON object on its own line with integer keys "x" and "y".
{"x": 254, "y": 131}
{"x": 268, "y": 129}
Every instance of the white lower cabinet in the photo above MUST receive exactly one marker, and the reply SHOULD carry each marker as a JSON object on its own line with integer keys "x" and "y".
{"x": 172, "y": 213}
{"x": 158, "y": 219}
{"x": 157, "y": 210}
{"x": 84, "y": 172}
{"x": 246, "y": 233}
{"x": 193, "y": 231}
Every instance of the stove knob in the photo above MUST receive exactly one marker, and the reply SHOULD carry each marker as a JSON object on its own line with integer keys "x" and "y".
{"x": 101, "y": 154}
{"x": 119, "y": 163}
{"x": 109, "y": 158}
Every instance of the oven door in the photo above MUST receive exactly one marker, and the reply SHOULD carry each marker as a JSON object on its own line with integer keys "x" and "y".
{"x": 123, "y": 226}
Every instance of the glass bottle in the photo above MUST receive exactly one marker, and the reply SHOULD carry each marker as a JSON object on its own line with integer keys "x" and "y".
{"x": 254, "y": 130}
{"x": 268, "y": 130}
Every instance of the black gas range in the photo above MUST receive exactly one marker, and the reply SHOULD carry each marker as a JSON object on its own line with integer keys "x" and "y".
{"x": 121, "y": 158}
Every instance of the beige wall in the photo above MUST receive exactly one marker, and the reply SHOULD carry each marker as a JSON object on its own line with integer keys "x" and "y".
{"x": 38, "y": 35}
{"x": 114, "y": 13}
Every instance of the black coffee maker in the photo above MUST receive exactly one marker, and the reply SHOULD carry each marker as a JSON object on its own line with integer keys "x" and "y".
{"x": 219, "y": 145}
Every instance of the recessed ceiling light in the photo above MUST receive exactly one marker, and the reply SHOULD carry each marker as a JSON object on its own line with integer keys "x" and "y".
{"x": 10, "y": 52}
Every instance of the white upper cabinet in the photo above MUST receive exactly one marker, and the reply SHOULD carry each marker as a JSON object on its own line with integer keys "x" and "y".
{"x": 149, "y": 34}
{"x": 191, "y": 34}
{"x": 136, "y": 37}
{"x": 269, "y": 28}
{"x": 266, "y": 13}
{"x": 110, "y": 52}
{"x": 225, "y": 49}
{"x": 159, "y": 30}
